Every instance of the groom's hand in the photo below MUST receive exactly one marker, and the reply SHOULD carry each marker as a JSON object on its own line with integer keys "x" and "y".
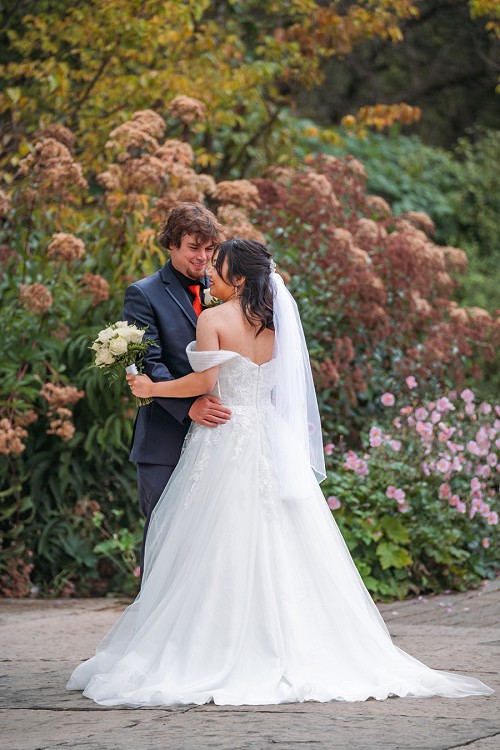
{"x": 209, "y": 411}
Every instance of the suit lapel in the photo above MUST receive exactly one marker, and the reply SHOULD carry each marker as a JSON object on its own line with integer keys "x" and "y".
{"x": 174, "y": 288}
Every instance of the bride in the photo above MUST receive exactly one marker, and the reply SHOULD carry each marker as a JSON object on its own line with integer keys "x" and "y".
{"x": 249, "y": 593}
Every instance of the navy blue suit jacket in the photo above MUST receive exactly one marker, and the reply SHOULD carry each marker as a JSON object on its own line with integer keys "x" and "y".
{"x": 160, "y": 302}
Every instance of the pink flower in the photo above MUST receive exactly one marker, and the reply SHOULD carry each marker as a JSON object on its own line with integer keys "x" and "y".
{"x": 405, "y": 410}
{"x": 444, "y": 404}
{"x": 473, "y": 447}
{"x": 467, "y": 395}
{"x": 444, "y": 490}
{"x": 485, "y": 542}
{"x": 333, "y": 502}
{"x": 397, "y": 423}
{"x": 484, "y": 471}
{"x": 403, "y": 508}
{"x": 420, "y": 414}
{"x": 452, "y": 395}
{"x": 411, "y": 382}
{"x": 470, "y": 409}
{"x": 493, "y": 518}
{"x": 461, "y": 507}
{"x": 361, "y": 467}
{"x": 485, "y": 408}
{"x": 395, "y": 445}
{"x": 492, "y": 459}
{"x": 137, "y": 572}
{"x": 375, "y": 437}
{"x": 388, "y": 399}
{"x": 399, "y": 496}
{"x": 424, "y": 429}
{"x": 329, "y": 448}
{"x": 443, "y": 465}
{"x": 435, "y": 417}
{"x": 454, "y": 500}
{"x": 475, "y": 483}
{"x": 390, "y": 491}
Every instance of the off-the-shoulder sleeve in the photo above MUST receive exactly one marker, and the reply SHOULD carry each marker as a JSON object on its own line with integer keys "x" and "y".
{"x": 200, "y": 361}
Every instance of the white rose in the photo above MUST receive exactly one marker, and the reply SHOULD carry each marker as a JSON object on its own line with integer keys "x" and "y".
{"x": 208, "y": 298}
{"x": 106, "y": 334}
{"x": 135, "y": 335}
{"x": 118, "y": 345}
{"x": 96, "y": 346}
{"x": 124, "y": 332}
{"x": 121, "y": 324}
{"x": 104, "y": 357}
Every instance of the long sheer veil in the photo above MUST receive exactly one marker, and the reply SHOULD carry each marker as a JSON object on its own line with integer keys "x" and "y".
{"x": 294, "y": 395}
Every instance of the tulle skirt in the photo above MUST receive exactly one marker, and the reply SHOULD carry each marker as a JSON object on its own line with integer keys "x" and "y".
{"x": 250, "y": 595}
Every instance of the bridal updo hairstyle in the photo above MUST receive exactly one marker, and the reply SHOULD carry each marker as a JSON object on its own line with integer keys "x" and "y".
{"x": 253, "y": 261}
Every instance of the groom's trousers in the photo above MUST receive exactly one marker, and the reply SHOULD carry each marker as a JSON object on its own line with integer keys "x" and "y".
{"x": 151, "y": 481}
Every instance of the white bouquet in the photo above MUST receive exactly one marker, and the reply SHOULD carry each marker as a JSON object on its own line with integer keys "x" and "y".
{"x": 119, "y": 346}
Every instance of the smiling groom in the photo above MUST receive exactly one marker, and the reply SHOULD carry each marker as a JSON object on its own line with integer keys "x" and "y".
{"x": 169, "y": 302}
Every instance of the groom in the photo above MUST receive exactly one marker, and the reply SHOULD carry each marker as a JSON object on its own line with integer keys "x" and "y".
{"x": 169, "y": 302}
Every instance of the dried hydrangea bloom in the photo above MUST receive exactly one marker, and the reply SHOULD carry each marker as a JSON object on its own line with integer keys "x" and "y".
{"x": 59, "y": 133}
{"x": 110, "y": 179}
{"x": 281, "y": 175}
{"x": 368, "y": 233}
{"x": 23, "y": 420}
{"x": 96, "y": 286}
{"x": 62, "y": 425}
{"x": 86, "y": 507}
{"x": 146, "y": 172}
{"x": 173, "y": 151}
{"x": 65, "y": 246}
{"x": 60, "y": 395}
{"x": 150, "y": 122}
{"x": 206, "y": 184}
{"x": 5, "y": 205}
{"x": 456, "y": 259}
{"x": 457, "y": 314}
{"x": 421, "y": 221}
{"x": 187, "y": 109}
{"x": 378, "y": 206}
{"x": 238, "y": 193}
{"x": 444, "y": 282}
{"x": 130, "y": 137}
{"x": 359, "y": 256}
{"x": 237, "y": 224}
{"x": 53, "y": 168}
{"x": 478, "y": 315}
{"x": 356, "y": 167}
{"x": 35, "y": 297}
{"x": 61, "y": 332}
{"x": 11, "y": 437}
{"x": 342, "y": 239}
{"x": 420, "y": 305}
{"x": 7, "y": 254}
{"x": 15, "y": 582}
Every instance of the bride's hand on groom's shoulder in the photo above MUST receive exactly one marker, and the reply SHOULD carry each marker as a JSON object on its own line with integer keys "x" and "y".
{"x": 140, "y": 385}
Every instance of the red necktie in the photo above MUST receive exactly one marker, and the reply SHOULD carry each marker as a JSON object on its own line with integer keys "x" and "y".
{"x": 195, "y": 289}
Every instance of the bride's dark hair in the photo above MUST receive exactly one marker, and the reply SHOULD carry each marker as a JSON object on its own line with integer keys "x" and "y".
{"x": 253, "y": 261}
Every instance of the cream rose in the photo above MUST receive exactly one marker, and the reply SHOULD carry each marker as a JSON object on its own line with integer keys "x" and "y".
{"x": 118, "y": 345}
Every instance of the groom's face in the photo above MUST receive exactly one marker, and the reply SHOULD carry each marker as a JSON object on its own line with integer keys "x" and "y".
{"x": 192, "y": 256}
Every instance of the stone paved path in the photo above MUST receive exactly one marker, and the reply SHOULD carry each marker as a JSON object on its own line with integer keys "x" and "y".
{"x": 42, "y": 641}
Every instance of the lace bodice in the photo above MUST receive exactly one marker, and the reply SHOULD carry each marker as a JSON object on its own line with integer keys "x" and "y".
{"x": 241, "y": 382}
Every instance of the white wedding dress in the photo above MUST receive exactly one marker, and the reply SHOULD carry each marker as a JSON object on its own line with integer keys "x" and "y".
{"x": 250, "y": 595}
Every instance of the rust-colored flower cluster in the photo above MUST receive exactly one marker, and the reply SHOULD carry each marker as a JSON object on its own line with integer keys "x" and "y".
{"x": 187, "y": 109}
{"x": 96, "y": 286}
{"x": 386, "y": 284}
{"x": 65, "y": 247}
{"x": 11, "y": 437}
{"x": 237, "y": 224}
{"x": 86, "y": 507}
{"x": 59, "y": 133}
{"x": 60, "y": 395}
{"x": 53, "y": 169}
{"x": 35, "y": 297}
{"x": 5, "y": 204}
{"x": 237, "y": 193}
{"x": 61, "y": 423}
{"x": 15, "y": 582}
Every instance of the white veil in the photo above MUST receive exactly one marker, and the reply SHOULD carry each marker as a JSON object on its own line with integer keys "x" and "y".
{"x": 294, "y": 395}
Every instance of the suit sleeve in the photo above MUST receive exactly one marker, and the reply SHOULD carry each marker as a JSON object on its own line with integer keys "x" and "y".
{"x": 137, "y": 309}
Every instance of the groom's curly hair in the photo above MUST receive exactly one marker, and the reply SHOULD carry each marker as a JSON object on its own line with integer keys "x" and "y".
{"x": 253, "y": 261}
{"x": 190, "y": 218}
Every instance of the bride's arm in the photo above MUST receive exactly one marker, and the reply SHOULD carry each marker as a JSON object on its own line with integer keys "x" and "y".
{"x": 194, "y": 384}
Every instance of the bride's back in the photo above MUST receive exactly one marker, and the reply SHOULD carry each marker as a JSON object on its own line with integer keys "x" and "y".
{"x": 236, "y": 334}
